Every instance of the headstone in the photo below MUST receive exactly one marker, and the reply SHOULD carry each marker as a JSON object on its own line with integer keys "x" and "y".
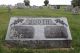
{"x": 39, "y": 32}
{"x": 52, "y": 7}
{"x": 75, "y": 10}
{"x": 40, "y": 7}
{"x": 20, "y": 5}
{"x": 55, "y": 6}
{"x": 68, "y": 8}
{"x": 35, "y": 7}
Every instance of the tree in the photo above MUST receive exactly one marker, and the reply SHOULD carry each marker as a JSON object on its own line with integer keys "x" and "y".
{"x": 46, "y": 2}
{"x": 27, "y": 2}
{"x": 76, "y": 3}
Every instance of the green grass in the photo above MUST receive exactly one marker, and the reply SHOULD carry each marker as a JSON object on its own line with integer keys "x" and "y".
{"x": 74, "y": 22}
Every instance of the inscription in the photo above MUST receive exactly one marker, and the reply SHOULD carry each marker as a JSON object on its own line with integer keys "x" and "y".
{"x": 39, "y": 22}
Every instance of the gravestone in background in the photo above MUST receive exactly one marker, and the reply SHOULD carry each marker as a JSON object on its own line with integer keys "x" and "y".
{"x": 39, "y": 32}
{"x": 75, "y": 10}
{"x": 20, "y": 5}
{"x": 68, "y": 8}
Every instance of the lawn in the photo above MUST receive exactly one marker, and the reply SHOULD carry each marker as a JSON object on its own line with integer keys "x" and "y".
{"x": 74, "y": 23}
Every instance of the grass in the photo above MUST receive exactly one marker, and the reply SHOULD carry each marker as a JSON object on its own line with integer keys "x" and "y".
{"x": 74, "y": 22}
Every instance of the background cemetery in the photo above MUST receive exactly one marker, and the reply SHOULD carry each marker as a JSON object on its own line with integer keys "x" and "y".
{"x": 46, "y": 11}
{"x": 74, "y": 8}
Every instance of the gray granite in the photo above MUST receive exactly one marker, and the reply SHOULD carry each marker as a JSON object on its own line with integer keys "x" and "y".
{"x": 39, "y": 32}
{"x": 68, "y": 8}
{"x": 56, "y": 32}
{"x": 75, "y": 10}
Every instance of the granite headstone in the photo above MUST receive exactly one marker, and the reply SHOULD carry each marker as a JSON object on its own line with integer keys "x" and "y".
{"x": 39, "y": 32}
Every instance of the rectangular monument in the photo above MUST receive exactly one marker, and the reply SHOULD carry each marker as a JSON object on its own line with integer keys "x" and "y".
{"x": 39, "y": 32}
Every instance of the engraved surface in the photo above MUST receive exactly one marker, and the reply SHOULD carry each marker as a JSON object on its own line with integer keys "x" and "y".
{"x": 39, "y": 32}
{"x": 55, "y": 32}
{"x": 22, "y": 32}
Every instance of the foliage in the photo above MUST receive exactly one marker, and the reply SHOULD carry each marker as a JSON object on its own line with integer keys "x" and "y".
{"x": 75, "y": 3}
{"x": 46, "y": 2}
{"x": 27, "y": 2}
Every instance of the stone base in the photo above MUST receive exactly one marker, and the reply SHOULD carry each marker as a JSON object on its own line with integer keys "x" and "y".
{"x": 39, "y": 44}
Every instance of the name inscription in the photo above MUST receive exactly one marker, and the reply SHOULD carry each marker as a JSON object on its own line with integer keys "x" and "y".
{"x": 39, "y": 22}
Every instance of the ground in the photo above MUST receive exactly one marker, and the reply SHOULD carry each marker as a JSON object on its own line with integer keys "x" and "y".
{"x": 73, "y": 20}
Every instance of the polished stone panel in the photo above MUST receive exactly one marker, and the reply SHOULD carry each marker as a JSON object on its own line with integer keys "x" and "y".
{"x": 55, "y": 32}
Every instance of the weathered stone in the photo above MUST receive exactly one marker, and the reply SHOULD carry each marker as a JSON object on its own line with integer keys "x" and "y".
{"x": 39, "y": 32}
{"x": 68, "y": 8}
{"x": 23, "y": 31}
{"x": 20, "y": 5}
{"x": 55, "y": 32}
{"x": 75, "y": 10}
